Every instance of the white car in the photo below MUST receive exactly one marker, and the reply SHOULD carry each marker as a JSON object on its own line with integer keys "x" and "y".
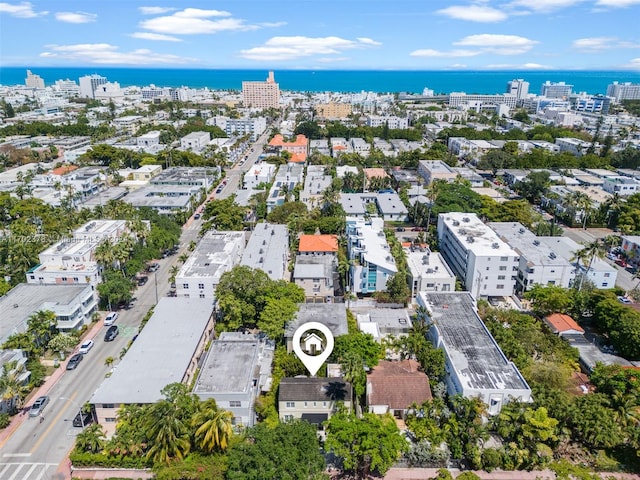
{"x": 111, "y": 318}
{"x": 86, "y": 346}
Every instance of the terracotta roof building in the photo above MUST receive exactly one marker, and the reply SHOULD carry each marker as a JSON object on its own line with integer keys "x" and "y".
{"x": 394, "y": 386}
{"x": 562, "y": 324}
{"x": 375, "y": 173}
{"x": 318, "y": 244}
{"x": 298, "y": 148}
{"x": 64, "y": 170}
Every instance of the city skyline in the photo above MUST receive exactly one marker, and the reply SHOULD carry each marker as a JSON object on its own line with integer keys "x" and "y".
{"x": 405, "y": 34}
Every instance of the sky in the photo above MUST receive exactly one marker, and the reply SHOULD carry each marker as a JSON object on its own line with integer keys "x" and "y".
{"x": 324, "y": 34}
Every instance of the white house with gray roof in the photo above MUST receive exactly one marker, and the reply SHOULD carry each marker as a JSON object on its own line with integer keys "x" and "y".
{"x": 168, "y": 350}
{"x": 474, "y": 363}
{"x": 215, "y": 254}
{"x": 428, "y": 271}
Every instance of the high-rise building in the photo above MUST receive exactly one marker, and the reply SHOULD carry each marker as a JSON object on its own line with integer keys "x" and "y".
{"x": 33, "y": 81}
{"x": 89, "y": 83}
{"x": 624, "y": 91}
{"x": 556, "y": 89}
{"x": 261, "y": 94}
{"x": 67, "y": 87}
{"x": 518, "y": 87}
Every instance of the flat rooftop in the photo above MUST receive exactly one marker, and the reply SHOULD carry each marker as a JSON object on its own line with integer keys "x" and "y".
{"x": 268, "y": 249}
{"x": 475, "y": 235}
{"x": 211, "y": 256}
{"x": 427, "y": 264}
{"x": 528, "y": 245}
{"x": 475, "y": 355}
{"x": 333, "y": 315}
{"x": 19, "y": 303}
{"x": 567, "y": 248}
{"x": 160, "y": 355}
{"x": 233, "y": 362}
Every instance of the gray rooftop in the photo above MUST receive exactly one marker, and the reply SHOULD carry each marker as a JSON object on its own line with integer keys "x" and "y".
{"x": 314, "y": 389}
{"x": 475, "y": 355}
{"x": 528, "y": 245}
{"x": 390, "y": 203}
{"x": 23, "y": 300}
{"x": 233, "y": 362}
{"x": 164, "y": 196}
{"x": 567, "y": 248}
{"x": 210, "y": 259}
{"x": 313, "y": 266}
{"x": 160, "y": 355}
{"x": 185, "y": 176}
{"x": 352, "y": 203}
{"x": 268, "y": 250}
{"x": 333, "y": 315}
{"x": 590, "y": 355}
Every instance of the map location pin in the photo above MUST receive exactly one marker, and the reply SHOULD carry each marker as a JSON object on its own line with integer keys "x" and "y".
{"x": 316, "y": 350}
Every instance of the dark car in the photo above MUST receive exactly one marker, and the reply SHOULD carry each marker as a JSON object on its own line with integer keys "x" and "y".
{"x": 142, "y": 281}
{"x": 83, "y": 419}
{"x": 111, "y": 334}
{"x": 74, "y": 361}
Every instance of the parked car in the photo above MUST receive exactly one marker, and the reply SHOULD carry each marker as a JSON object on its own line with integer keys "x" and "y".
{"x": 111, "y": 318}
{"x": 196, "y": 216}
{"x": 624, "y": 300}
{"x": 38, "y": 406}
{"x": 86, "y": 346}
{"x": 621, "y": 262}
{"x": 74, "y": 361}
{"x": 612, "y": 256}
{"x": 400, "y": 229}
{"x": 153, "y": 267}
{"x": 111, "y": 334}
{"x": 82, "y": 419}
{"x": 416, "y": 229}
{"x": 142, "y": 281}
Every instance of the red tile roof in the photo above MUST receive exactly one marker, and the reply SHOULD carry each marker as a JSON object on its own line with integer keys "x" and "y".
{"x": 559, "y": 322}
{"x": 64, "y": 169}
{"x": 398, "y": 385}
{"x": 318, "y": 243}
{"x": 375, "y": 172}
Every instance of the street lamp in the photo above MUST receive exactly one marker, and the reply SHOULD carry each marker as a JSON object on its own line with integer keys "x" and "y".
{"x": 80, "y": 412}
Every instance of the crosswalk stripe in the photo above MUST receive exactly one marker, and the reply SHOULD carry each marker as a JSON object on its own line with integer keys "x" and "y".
{"x": 33, "y": 467}
{"x": 14, "y": 476}
{"x": 4, "y": 470}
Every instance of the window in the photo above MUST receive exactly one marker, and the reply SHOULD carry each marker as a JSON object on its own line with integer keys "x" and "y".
{"x": 185, "y": 286}
{"x": 108, "y": 405}
{"x": 504, "y": 259}
{"x": 305, "y": 404}
{"x": 430, "y": 285}
{"x": 202, "y": 295}
{"x": 607, "y": 275}
{"x": 110, "y": 419}
{"x": 605, "y": 284}
{"x": 291, "y": 404}
{"x": 502, "y": 268}
{"x": 64, "y": 279}
{"x": 499, "y": 287}
{"x": 487, "y": 268}
{"x": 235, "y": 404}
{"x": 288, "y": 418}
{"x": 500, "y": 277}
{"x": 324, "y": 404}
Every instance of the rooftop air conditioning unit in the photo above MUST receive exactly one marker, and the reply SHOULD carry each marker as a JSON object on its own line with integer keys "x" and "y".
{"x": 495, "y": 245}
{"x": 456, "y": 223}
{"x": 465, "y": 219}
{"x": 536, "y": 242}
{"x": 470, "y": 240}
{"x": 552, "y": 255}
{"x": 521, "y": 230}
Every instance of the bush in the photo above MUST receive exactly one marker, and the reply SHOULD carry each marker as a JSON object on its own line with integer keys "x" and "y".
{"x": 86, "y": 459}
{"x": 491, "y": 459}
{"x": 5, "y": 420}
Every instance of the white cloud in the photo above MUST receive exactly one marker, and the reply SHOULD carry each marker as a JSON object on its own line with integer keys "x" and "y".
{"x": 428, "y": 52}
{"x": 474, "y": 13}
{"x": 617, "y": 3}
{"x": 272, "y": 24}
{"x": 524, "y": 66}
{"x": 155, "y": 10}
{"x": 368, "y": 41}
{"x": 633, "y": 64}
{"x": 544, "y": 5}
{"x": 498, "y": 44}
{"x": 332, "y": 59}
{"x": 192, "y": 21}
{"x": 597, "y": 44}
{"x": 155, "y": 36}
{"x": 107, "y": 54}
{"x": 20, "y": 10}
{"x": 76, "y": 17}
{"x": 289, "y": 48}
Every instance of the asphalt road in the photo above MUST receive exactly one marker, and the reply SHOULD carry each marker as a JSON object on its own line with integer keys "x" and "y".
{"x": 35, "y": 449}
{"x": 234, "y": 175}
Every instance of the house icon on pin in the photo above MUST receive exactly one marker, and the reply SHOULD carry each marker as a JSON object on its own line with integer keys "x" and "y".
{"x": 312, "y": 344}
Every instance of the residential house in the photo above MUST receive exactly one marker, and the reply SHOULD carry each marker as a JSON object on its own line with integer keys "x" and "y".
{"x": 314, "y": 399}
{"x": 331, "y": 315}
{"x": 561, "y": 324}
{"x": 428, "y": 271}
{"x": 316, "y": 274}
{"x": 394, "y": 386}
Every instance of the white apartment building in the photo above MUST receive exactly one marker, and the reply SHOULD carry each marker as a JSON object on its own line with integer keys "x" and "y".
{"x": 458, "y": 99}
{"x": 215, "y": 254}
{"x": 573, "y": 145}
{"x": 89, "y": 83}
{"x": 518, "y": 87}
{"x": 288, "y": 176}
{"x": 315, "y": 183}
{"x": 195, "y": 141}
{"x": 373, "y": 262}
{"x": 261, "y": 94}
{"x": 432, "y": 170}
{"x": 555, "y": 89}
{"x": 463, "y": 147}
{"x": 539, "y": 264}
{"x": 360, "y": 146}
{"x": 260, "y": 173}
{"x": 624, "y": 91}
{"x": 429, "y": 272}
{"x": 485, "y": 264}
{"x": 268, "y": 250}
{"x": 600, "y": 273}
{"x": 149, "y": 139}
{"x": 33, "y": 80}
{"x": 252, "y": 126}
{"x": 623, "y": 186}
{"x": 475, "y": 365}
{"x": 392, "y": 121}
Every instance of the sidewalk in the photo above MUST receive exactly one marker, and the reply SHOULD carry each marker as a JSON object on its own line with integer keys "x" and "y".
{"x": 48, "y": 384}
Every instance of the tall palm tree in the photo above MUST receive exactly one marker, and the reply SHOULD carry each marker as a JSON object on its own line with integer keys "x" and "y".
{"x": 104, "y": 253}
{"x": 42, "y": 325}
{"x": 354, "y": 373}
{"x": 213, "y": 427}
{"x": 12, "y": 387}
{"x": 91, "y": 439}
{"x": 168, "y": 435}
{"x": 580, "y": 204}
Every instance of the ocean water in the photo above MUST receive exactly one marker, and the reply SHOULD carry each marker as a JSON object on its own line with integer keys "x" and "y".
{"x": 489, "y": 82}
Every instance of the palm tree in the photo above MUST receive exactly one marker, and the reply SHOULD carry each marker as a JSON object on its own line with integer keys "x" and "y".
{"x": 213, "y": 427}
{"x": 173, "y": 271}
{"x": 109, "y": 361}
{"x": 104, "y": 253}
{"x": 168, "y": 435}
{"x": 587, "y": 255}
{"x": 12, "y": 387}
{"x": 91, "y": 439}
{"x": 354, "y": 373}
{"x": 580, "y": 203}
{"x": 42, "y": 325}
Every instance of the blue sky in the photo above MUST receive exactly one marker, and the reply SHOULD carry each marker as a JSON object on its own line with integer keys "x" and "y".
{"x": 330, "y": 34}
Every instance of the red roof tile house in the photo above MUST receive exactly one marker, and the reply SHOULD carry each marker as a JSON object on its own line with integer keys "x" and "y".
{"x": 562, "y": 324}
{"x": 318, "y": 245}
{"x": 392, "y": 387}
{"x": 298, "y": 148}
